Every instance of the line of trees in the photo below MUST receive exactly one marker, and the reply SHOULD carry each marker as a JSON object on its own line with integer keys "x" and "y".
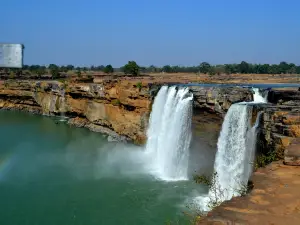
{"x": 132, "y": 68}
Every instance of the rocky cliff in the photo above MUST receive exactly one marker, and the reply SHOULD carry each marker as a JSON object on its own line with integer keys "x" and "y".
{"x": 119, "y": 108}
{"x": 219, "y": 99}
{"x": 281, "y": 125}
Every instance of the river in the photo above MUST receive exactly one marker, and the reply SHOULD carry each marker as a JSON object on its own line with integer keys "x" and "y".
{"x": 51, "y": 173}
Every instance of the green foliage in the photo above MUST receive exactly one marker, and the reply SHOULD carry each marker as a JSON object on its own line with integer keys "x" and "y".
{"x": 217, "y": 193}
{"x": 64, "y": 82}
{"x": 202, "y": 179}
{"x": 139, "y": 85}
{"x": 167, "y": 69}
{"x": 116, "y": 102}
{"x": 55, "y": 73}
{"x": 205, "y": 67}
{"x": 244, "y": 67}
{"x": 12, "y": 75}
{"x": 264, "y": 159}
{"x": 131, "y": 68}
{"x": 108, "y": 69}
{"x": 78, "y": 72}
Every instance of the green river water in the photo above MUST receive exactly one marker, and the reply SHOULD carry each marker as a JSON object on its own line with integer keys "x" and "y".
{"x": 53, "y": 174}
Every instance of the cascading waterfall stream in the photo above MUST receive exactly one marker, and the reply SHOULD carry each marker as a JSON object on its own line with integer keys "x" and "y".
{"x": 258, "y": 97}
{"x": 236, "y": 150}
{"x": 169, "y": 133}
{"x": 63, "y": 107}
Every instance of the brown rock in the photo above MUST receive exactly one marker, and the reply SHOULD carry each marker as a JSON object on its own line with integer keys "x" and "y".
{"x": 292, "y": 153}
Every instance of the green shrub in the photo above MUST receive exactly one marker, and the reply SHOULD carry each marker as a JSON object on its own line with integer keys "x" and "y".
{"x": 264, "y": 159}
{"x": 116, "y": 102}
{"x": 12, "y": 75}
{"x": 139, "y": 85}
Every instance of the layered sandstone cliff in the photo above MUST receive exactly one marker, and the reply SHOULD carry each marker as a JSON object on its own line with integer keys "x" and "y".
{"x": 119, "y": 108}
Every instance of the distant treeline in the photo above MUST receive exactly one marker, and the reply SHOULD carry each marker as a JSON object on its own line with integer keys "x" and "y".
{"x": 134, "y": 69}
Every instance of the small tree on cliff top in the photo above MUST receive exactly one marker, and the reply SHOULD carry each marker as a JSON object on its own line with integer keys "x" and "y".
{"x": 131, "y": 68}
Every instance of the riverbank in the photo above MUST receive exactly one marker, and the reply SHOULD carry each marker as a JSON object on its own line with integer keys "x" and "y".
{"x": 275, "y": 199}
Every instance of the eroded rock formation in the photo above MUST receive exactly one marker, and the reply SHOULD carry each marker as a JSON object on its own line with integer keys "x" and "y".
{"x": 219, "y": 99}
{"x": 119, "y": 108}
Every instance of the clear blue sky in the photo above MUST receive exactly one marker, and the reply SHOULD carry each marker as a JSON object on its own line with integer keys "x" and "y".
{"x": 159, "y": 32}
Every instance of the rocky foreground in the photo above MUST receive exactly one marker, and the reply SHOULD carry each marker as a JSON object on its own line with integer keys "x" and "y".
{"x": 274, "y": 200}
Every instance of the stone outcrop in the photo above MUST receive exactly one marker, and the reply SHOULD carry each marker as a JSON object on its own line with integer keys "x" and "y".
{"x": 280, "y": 123}
{"x": 118, "y": 108}
{"x": 292, "y": 153}
{"x": 219, "y": 99}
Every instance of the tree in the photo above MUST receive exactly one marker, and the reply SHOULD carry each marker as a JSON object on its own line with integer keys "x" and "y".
{"x": 53, "y": 67}
{"x": 204, "y": 67}
{"x": 228, "y": 69}
{"x": 283, "y": 67}
{"x": 40, "y": 71}
{"x": 63, "y": 69}
{"x": 152, "y": 69}
{"x": 167, "y": 69}
{"x": 100, "y": 68}
{"x": 108, "y": 69}
{"x": 70, "y": 67}
{"x": 131, "y": 68}
{"x": 55, "y": 73}
{"x": 78, "y": 72}
{"x": 244, "y": 67}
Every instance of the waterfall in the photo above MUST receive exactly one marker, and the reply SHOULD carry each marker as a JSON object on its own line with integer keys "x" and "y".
{"x": 62, "y": 106}
{"x": 236, "y": 150}
{"x": 169, "y": 133}
{"x": 231, "y": 161}
{"x": 251, "y": 145}
{"x": 258, "y": 97}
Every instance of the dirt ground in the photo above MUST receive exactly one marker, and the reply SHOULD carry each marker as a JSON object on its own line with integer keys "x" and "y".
{"x": 275, "y": 200}
{"x": 205, "y": 78}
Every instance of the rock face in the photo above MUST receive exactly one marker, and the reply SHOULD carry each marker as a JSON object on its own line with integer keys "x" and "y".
{"x": 281, "y": 124}
{"x": 120, "y": 109}
{"x": 219, "y": 99}
{"x": 292, "y": 153}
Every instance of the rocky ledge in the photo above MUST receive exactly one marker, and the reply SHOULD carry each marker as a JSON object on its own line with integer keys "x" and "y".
{"x": 119, "y": 108}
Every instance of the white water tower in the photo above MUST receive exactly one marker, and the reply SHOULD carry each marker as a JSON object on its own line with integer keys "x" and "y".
{"x": 11, "y": 55}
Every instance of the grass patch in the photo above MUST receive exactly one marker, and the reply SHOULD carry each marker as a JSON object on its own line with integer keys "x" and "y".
{"x": 139, "y": 85}
{"x": 116, "y": 102}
